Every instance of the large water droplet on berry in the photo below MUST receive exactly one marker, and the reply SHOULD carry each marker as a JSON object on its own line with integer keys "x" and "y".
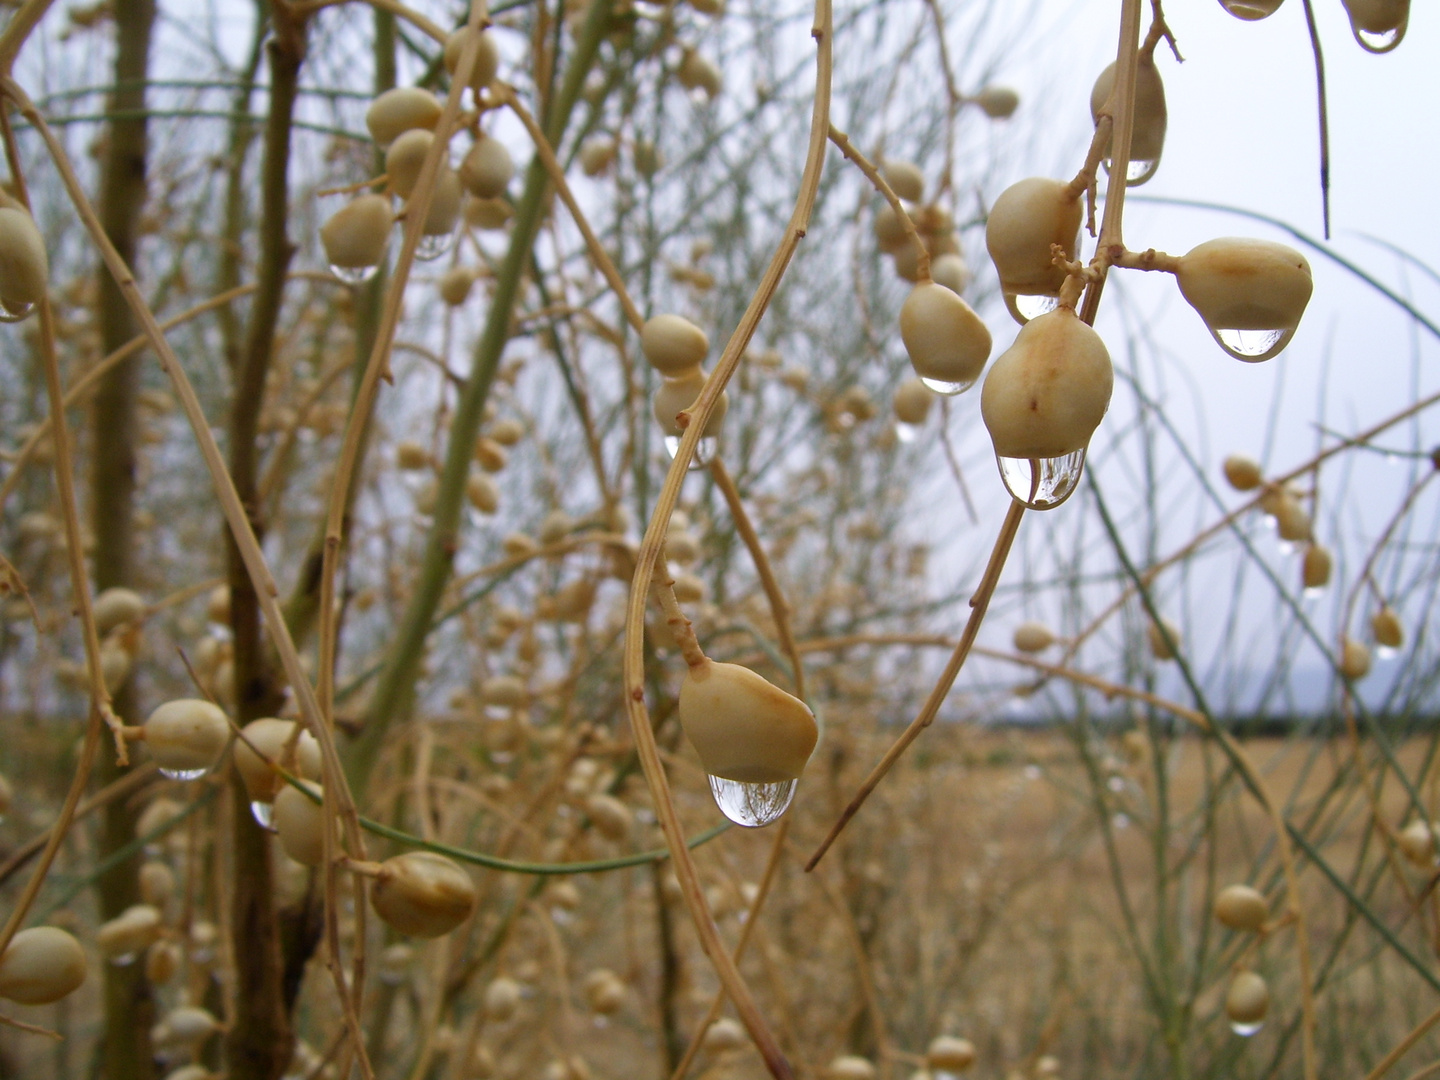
{"x": 752, "y": 805}
{"x": 1042, "y": 483}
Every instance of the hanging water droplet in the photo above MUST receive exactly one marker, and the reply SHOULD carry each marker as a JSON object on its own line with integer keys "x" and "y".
{"x": 1314, "y": 592}
{"x": 263, "y": 812}
{"x": 354, "y": 275}
{"x": 560, "y": 917}
{"x": 1386, "y": 652}
{"x": 1116, "y": 784}
{"x": 1121, "y": 821}
{"x": 948, "y": 389}
{"x": 1042, "y": 483}
{"x": 12, "y": 313}
{"x": 1252, "y": 346}
{"x": 1382, "y": 42}
{"x": 906, "y": 432}
{"x": 433, "y": 245}
{"x": 704, "y": 450}
{"x": 184, "y": 774}
{"x": 752, "y": 805}
{"x": 1140, "y": 171}
{"x": 1027, "y": 306}
{"x": 1391, "y": 459}
{"x": 600, "y": 1022}
{"x": 1286, "y": 548}
{"x": 123, "y": 960}
{"x": 1246, "y": 1030}
{"x": 1032, "y": 772}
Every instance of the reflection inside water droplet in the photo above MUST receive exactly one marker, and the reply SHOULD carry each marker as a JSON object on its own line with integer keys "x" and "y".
{"x": 1386, "y": 652}
{"x": 1378, "y": 43}
{"x": 263, "y": 812}
{"x": 354, "y": 275}
{"x": 1286, "y": 548}
{"x": 1026, "y": 306}
{"x": 906, "y": 432}
{"x": 1246, "y": 1030}
{"x": 1314, "y": 592}
{"x": 123, "y": 960}
{"x": 704, "y": 450}
{"x": 1249, "y": 11}
{"x": 1042, "y": 483}
{"x": 183, "y": 774}
{"x": 1252, "y": 346}
{"x": 948, "y": 389}
{"x": 752, "y": 805}
{"x": 433, "y": 245}
{"x": 10, "y": 313}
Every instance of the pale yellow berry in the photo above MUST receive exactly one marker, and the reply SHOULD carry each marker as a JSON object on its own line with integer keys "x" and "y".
{"x": 41, "y": 965}
{"x": 1354, "y": 662}
{"x": 1417, "y": 842}
{"x": 501, "y": 999}
{"x": 483, "y": 493}
{"x": 115, "y": 607}
{"x": 1163, "y": 643}
{"x": 610, "y": 816}
{"x": 24, "y": 266}
{"x": 402, "y": 109}
{"x": 269, "y": 736}
{"x": 487, "y": 169}
{"x": 1250, "y": 293}
{"x": 675, "y": 396}
{"x": 1148, "y": 118}
{"x": 1241, "y": 908}
{"x": 950, "y": 1055}
{"x": 405, "y": 158}
{"x": 604, "y": 992}
{"x": 186, "y": 736}
{"x": 904, "y": 178}
{"x": 487, "y": 57}
{"x": 301, "y": 823}
{"x": 912, "y": 402}
{"x": 1386, "y": 626}
{"x": 454, "y": 285}
{"x": 129, "y": 933}
{"x": 997, "y": 102}
{"x": 698, "y": 73}
{"x": 745, "y": 728}
{"x": 486, "y": 213}
{"x": 597, "y": 155}
{"x": 1316, "y": 566}
{"x": 1248, "y": 999}
{"x": 422, "y": 894}
{"x": 356, "y": 235}
{"x": 673, "y": 344}
{"x": 947, "y": 342}
{"x": 1242, "y": 473}
{"x": 1033, "y": 637}
{"x": 1026, "y": 220}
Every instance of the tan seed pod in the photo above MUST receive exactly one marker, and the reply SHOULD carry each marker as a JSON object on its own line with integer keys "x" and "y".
{"x": 724, "y": 1034}
{"x": 24, "y": 266}
{"x": 698, "y": 73}
{"x": 507, "y": 432}
{"x": 486, "y": 213}
{"x": 487, "y": 59}
{"x": 1025, "y": 221}
{"x": 300, "y": 823}
{"x": 157, "y": 884}
{"x": 444, "y": 212}
{"x": 186, "y": 736}
{"x": 41, "y": 965}
{"x": 268, "y": 736}
{"x": 649, "y": 159}
{"x": 1417, "y": 842}
{"x": 689, "y": 589}
{"x": 1047, "y": 393}
{"x": 1241, "y": 908}
{"x": 604, "y": 992}
{"x": 849, "y": 1067}
{"x": 405, "y": 158}
{"x": 1251, "y": 293}
{"x": 156, "y": 816}
{"x": 504, "y": 691}
{"x": 1315, "y": 569}
{"x": 1147, "y": 139}
{"x": 949, "y": 1054}
{"x": 487, "y": 169}
{"x": 115, "y": 607}
{"x": 502, "y": 999}
{"x": 912, "y": 402}
{"x": 490, "y": 455}
{"x": 1033, "y": 637}
{"x": 1292, "y": 521}
{"x": 610, "y": 816}
{"x": 129, "y": 933}
{"x": 517, "y": 544}
{"x": 745, "y": 728}
{"x": 997, "y": 102}
{"x": 190, "y": 1024}
{"x": 1251, "y": 10}
{"x": 597, "y": 155}
{"x": 483, "y": 493}
{"x": 422, "y": 894}
{"x": 1388, "y": 630}
{"x": 1354, "y": 659}
{"x": 455, "y": 284}
{"x": 950, "y": 271}
{"x": 674, "y": 396}
{"x": 1242, "y": 473}
{"x": 405, "y": 108}
{"x": 574, "y": 599}
{"x": 890, "y": 234}
{"x": 674, "y": 345}
{"x": 1160, "y": 647}
{"x": 411, "y": 456}
{"x": 357, "y": 234}
{"x": 1248, "y": 999}
{"x": 904, "y": 178}
{"x": 947, "y": 342}
{"x": 162, "y": 961}
{"x": 681, "y": 546}
{"x": 115, "y": 664}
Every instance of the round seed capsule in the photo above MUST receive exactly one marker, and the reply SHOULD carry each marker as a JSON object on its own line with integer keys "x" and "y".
{"x": 186, "y": 736}
{"x": 674, "y": 345}
{"x": 502, "y": 998}
{"x": 455, "y": 284}
{"x": 162, "y": 961}
{"x": 41, "y": 965}
{"x": 1315, "y": 569}
{"x": 422, "y": 894}
{"x": 300, "y": 823}
{"x": 1163, "y": 644}
{"x": 604, "y": 992}
{"x": 486, "y": 213}
{"x": 487, "y": 59}
{"x": 404, "y": 160}
{"x": 1354, "y": 659}
{"x": 949, "y": 1054}
{"x": 24, "y": 266}
{"x": 483, "y": 493}
{"x": 1241, "y": 908}
{"x": 1417, "y": 842}
{"x": 129, "y": 933}
{"x": 950, "y": 271}
{"x": 1149, "y": 117}
{"x": 675, "y": 396}
{"x": 743, "y": 727}
{"x": 698, "y": 73}
{"x": 1292, "y": 521}
{"x": 444, "y": 212}
{"x": 356, "y": 235}
{"x": 597, "y": 155}
{"x": 912, "y": 402}
{"x": 1025, "y": 221}
{"x": 610, "y": 816}
{"x": 1242, "y": 473}
{"x": 1047, "y": 393}
{"x": 1251, "y": 293}
{"x": 997, "y": 102}
{"x": 849, "y": 1067}
{"x": 405, "y": 108}
{"x": 1388, "y": 630}
{"x": 1033, "y": 637}
{"x": 904, "y": 178}
{"x": 115, "y": 607}
{"x": 268, "y": 736}
{"x": 487, "y": 168}
{"x": 157, "y": 884}
{"x": 1248, "y": 999}
{"x": 947, "y": 342}
{"x": 890, "y": 234}
{"x": 724, "y": 1034}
